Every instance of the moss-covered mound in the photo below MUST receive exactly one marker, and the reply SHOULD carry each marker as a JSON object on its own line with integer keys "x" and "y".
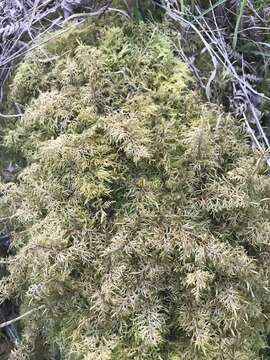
{"x": 140, "y": 222}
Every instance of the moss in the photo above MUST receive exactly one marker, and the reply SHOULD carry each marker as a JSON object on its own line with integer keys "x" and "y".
{"x": 139, "y": 221}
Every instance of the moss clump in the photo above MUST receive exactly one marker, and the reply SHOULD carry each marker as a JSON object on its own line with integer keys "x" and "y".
{"x": 140, "y": 222}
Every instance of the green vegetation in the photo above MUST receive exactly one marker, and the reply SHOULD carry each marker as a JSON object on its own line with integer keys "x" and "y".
{"x": 140, "y": 221}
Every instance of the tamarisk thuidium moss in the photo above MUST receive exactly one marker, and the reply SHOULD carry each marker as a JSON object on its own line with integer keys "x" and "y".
{"x": 140, "y": 220}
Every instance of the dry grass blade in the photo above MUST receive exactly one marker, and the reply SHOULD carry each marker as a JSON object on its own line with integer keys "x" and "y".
{"x": 220, "y": 52}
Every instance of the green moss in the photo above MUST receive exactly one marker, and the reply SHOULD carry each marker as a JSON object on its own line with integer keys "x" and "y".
{"x": 28, "y": 81}
{"x": 140, "y": 221}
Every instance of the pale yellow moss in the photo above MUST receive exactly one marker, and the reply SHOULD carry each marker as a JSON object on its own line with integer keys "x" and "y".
{"x": 138, "y": 219}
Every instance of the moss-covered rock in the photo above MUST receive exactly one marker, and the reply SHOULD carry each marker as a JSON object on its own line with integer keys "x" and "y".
{"x": 140, "y": 222}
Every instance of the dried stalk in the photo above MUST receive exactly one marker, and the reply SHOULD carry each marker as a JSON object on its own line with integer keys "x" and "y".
{"x": 221, "y": 53}
{"x": 12, "y": 321}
